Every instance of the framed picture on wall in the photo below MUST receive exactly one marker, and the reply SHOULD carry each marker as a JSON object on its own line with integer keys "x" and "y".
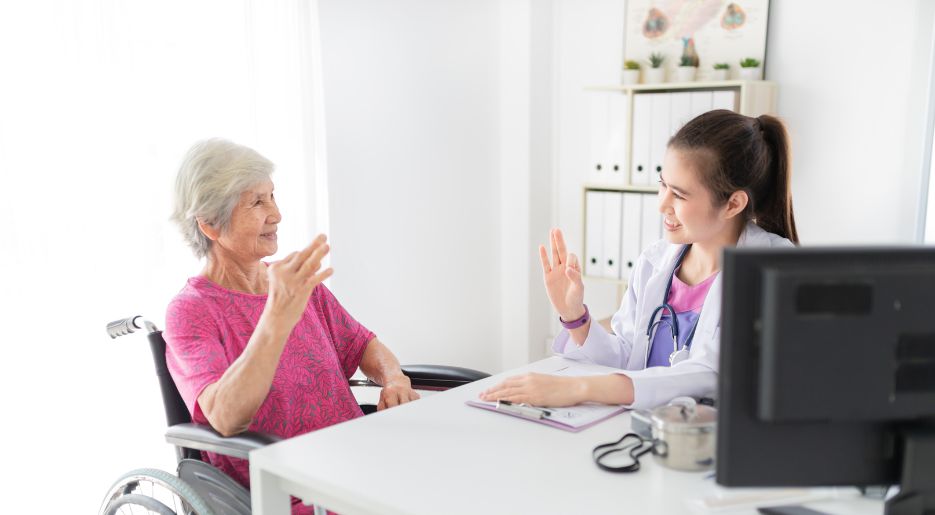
{"x": 702, "y": 32}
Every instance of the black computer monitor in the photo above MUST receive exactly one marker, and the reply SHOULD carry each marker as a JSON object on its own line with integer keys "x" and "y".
{"x": 827, "y": 370}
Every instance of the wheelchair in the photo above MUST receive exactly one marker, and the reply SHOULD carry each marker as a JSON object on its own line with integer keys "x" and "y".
{"x": 198, "y": 488}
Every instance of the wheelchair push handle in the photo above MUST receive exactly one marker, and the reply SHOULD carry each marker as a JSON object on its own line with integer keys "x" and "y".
{"x": 125, "y": 326}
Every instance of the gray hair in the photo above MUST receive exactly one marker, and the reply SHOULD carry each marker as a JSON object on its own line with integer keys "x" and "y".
{"x": 211, "y": 179}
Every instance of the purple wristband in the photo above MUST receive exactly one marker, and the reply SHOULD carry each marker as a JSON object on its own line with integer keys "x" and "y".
{"x": 574, "y": 324}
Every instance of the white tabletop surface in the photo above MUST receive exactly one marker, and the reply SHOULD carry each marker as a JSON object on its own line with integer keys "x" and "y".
{"x": 438, "y": 455}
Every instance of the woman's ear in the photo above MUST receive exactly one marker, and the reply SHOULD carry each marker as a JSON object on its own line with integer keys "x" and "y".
{"x": 211, "y": 232}
{"x": 736, "y": 203}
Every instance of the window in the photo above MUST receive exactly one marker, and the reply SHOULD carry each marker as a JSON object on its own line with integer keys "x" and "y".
{"x": 99, "y": 102}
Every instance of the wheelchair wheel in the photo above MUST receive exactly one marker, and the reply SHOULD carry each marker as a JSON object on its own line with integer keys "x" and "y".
{"x": 153, "y": 491}
{"x": 221, "y": 492}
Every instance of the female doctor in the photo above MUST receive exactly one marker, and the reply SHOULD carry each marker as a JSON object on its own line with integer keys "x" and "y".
{"x": 724, "y": 182}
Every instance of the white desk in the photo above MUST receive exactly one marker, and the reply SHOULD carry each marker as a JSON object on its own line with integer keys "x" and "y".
{"x": 438, "y": 455}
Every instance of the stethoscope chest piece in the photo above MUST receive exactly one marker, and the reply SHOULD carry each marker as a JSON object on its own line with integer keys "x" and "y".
{"x": 678, "y": 356}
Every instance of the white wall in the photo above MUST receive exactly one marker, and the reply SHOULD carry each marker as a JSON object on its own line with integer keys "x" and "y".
{"x": 852, "y": 90}
{"x": 526, "y": 174}
{"x": 440, "y": 170}
{"x": 411, "y": 97}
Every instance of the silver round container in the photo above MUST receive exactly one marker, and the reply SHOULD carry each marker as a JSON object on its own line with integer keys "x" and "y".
{"x": 684, "y": 435}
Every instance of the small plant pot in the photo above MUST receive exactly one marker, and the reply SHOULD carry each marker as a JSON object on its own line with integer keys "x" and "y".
{"x": 631, "y": 77}
{"x": 654, "y": 75}
{"x": 719, "y": 74}
{"x": 751, "y": 73}
{"x": 685, "y": 73}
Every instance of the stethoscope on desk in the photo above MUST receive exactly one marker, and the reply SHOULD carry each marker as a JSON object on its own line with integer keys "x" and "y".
{"x": 677, "y": 353}
{"x": 636, "y": 444}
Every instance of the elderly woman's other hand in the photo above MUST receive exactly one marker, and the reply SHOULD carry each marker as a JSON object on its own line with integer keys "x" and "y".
{"x": 292, "y": 280}
{"x": 395, "y": 392}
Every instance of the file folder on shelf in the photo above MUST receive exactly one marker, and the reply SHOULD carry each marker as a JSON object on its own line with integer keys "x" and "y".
{"x": 680, "y": 111}
{"x": 641, "y": 129}
{"x": 598, "y": 135}
{"x": 724, "y": 100}
{"x": 651, "y": 230}
{"x": 700, "y": 102}
{"x": 611, "y": 246}
{"x": 630, "y": 249}
{"x": 594, "y": 234}
{"x": 616, "y": 147}
{"x": 660, "y": 133}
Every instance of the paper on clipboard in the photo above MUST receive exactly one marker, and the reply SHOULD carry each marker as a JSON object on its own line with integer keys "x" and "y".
{"x": 572, "y": 418}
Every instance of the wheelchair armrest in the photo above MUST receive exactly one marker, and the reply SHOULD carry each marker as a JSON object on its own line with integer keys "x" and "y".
{"x": 440, "y": 377}
{"x": 205, "y": 438}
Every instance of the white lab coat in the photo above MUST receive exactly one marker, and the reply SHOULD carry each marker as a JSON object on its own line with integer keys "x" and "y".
{"x": 628, "y": 347}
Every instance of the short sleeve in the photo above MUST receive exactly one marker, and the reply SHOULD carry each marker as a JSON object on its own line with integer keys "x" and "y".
{"x": 194, "y": 353}
{"x": 349, "y": 336}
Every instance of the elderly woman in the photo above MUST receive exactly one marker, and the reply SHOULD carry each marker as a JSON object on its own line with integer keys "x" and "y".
{"x": 253, "y": 345}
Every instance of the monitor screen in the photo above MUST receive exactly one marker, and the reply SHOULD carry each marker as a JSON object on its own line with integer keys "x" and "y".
{"x": 827, "y": 363}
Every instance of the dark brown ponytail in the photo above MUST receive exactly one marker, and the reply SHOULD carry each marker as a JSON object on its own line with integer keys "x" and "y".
{"x": 736, "y": 152}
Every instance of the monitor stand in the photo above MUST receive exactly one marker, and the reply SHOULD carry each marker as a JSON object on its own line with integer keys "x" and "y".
{"x": 917, "y": 479}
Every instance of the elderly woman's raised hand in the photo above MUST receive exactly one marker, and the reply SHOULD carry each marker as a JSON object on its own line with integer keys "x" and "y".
{"x": 292, "y": 280}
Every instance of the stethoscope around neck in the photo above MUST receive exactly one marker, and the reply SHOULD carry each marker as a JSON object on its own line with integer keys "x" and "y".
{"x": 677, "y": 354}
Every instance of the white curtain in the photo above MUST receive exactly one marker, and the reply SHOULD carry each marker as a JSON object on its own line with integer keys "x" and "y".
{"x": 99, "y": 100}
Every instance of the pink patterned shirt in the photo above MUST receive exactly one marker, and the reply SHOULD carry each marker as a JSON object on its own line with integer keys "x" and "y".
{"x": 208, "y": 327}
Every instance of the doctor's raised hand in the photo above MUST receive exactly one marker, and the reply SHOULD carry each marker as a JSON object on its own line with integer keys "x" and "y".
{"x": 562, "y": 277}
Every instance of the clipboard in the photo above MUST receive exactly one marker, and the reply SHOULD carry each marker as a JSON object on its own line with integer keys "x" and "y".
{"x": 573, "y": 418}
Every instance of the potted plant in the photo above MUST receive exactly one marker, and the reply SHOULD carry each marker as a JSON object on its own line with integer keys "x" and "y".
{"x": 631, "y": 72}
{"x": 721, "y": 70}
{"x": 655, "y": 73}
{"x": 686, "y": 70}
{"x": 750, "y": 69}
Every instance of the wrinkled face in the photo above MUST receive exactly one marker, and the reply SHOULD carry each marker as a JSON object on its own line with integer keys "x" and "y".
{"x": 689, "y": 215}
{"x": 252, "y": 231}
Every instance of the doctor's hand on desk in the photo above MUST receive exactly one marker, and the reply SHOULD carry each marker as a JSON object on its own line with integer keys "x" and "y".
{"x": 559, "y": 391}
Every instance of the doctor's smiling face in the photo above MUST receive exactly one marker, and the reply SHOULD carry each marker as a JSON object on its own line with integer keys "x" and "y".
{"x": 689, "y": 212}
